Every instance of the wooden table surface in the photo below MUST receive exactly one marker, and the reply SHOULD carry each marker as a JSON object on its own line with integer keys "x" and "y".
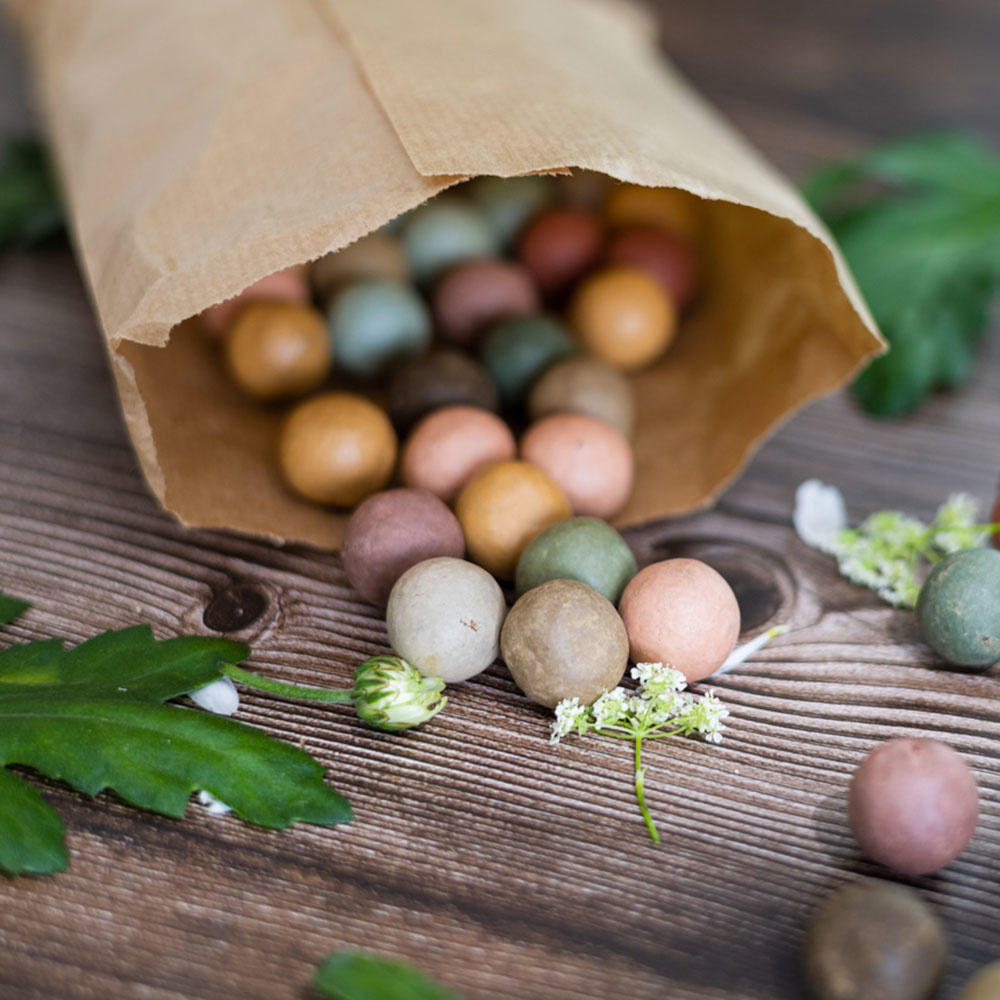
{"x": 501, "y": 865}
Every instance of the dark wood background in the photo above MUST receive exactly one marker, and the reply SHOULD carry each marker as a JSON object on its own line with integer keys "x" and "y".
{"x": 503, "y": 866}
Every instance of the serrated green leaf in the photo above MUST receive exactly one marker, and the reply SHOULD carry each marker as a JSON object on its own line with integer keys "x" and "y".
{"x": 355, "y": 975}
{"x": 11, "y": 608}
{"x": 31, "y": 832}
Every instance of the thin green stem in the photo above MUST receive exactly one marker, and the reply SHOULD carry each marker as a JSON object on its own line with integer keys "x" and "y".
{"x": 296, "y": 691}
{"x": 640, "y": 795}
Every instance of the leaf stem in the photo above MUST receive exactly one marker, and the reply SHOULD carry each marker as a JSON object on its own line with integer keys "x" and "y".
{"x": 251, "y": 680}
{"x": 640, "y": 795}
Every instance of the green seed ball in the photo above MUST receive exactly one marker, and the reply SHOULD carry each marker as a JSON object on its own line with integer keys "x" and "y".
{"x": 442, "y": 233}
{"x": 375, "y": 325}
{"x": 508, "y": 202}
{"x": 959, "y": 608}
{"x": 517, "y": 351}
{"x": 582, "y": 548}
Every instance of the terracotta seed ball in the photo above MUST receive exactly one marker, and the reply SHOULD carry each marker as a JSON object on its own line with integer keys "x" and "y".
{"x": 278, "y": 349}
{"x": 585, "y": 385}
{"x": 587, "y": 458}
{"x": 984, "y": 985}
{"x": 392, "y": 531}
{"x": 442, "y": 377}
{"x": 508, "y": 202}
{"x": 337, "y": 448}
{"x": 874, "y": 940}
{"x": 444, "y": 232}
{"x": 444, "y": 616}
{"x": 502, "y": 508}
{"x": 288, "y": 285}
{"x": 913, "y": 805}
{"x": 681, "y": 612}
{"x": 564, "y": 640}
{"x": 517, "y": 351}
{"x": 449, "y": 446}
{"x": 672, "y": 209}
{"x": 377, "y": 256}
{"x": 558, "y": 245}
{"x": 623, "y": 317}
{"x": 476, "y": 293}
{"x": 662, "y": 255}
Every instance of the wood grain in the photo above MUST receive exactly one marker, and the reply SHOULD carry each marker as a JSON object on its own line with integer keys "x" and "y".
{"x": 501, "y": 865}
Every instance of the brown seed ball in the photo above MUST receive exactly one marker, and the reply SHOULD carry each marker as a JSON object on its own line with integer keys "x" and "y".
{"x": 587, "y": 458}
{"x": 672, "y": 209}
{"x": 585, "y": 385}
{"x": 277, "y": 349}
{"x": 377, "y": 256}
{"x": 984, "y": 985}
{"x": 913, "y": 805}
{"x": 558, "y": 245}
{"x": 476, "y": 293}
{"x": 662, "y": 255}
{"x": 392, "y": 531}
{"x": 443, "y": 377}
{"x": 502, "y": 508}
{"x": 337, "y": 449}
{"x": 874, "y": 941}
{"x": 564, "y": 640}
{"x": 288, "y": 285}
{"x": 681, "y": 612}
{"x": 623, "y": 317}
{"x": 449, "y": 446}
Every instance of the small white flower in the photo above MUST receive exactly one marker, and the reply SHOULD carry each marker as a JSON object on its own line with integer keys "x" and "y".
{"x": 220, "y": 697}
{"x": 570, "y": 715}
{"x": 214, "y": 805}
{"x": 610, "y": 708}
{"x": 820, "y": 514}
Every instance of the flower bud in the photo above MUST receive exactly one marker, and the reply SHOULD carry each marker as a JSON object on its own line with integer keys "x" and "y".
{"x": 391, "y": 694}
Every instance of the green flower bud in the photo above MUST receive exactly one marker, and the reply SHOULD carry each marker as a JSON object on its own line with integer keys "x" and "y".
{"x": 391, "y": 694}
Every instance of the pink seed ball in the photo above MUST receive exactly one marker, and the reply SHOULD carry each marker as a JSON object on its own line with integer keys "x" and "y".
{"x": 683, "y": 613}
{"x": 913, "y": 805}
{"x": 289, "y": 285}
{"x": 664, "y": 256}
{"x": 449, "y": 446}
{"x": 476, "y": 293}
{"x": 392, "y": 531}
{"x": 590, "y": 460}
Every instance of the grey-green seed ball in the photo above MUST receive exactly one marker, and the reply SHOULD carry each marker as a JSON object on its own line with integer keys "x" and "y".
{"x": 959, "y": 608}
{"x": 517, "y": 351}
{"x": 508, "y": 202}
{"x": 376, "y": 324}
{"x": 582, "y": 548}
{"x": 444, "y": 232}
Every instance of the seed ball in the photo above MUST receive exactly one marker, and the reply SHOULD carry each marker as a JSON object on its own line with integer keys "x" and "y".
{"x": 623, "y": 317}
{"x": 375, "y": 325}
{"x": 444, "y": 232}
{"x": 502, "y": 508}
{"x": 995, "y": 519}
{"x": 984, "y": 985}
{"x": 392, "y": 531}
{"x": 660, "y": 254}
{"x": 913, "y": 805}
{"x": 586, "y": 189}
{"x": 440, "y": 378}
{"x": 681, "y": 612}
{"x": 874, "y": 941}
{"x": 337, "y": 448}
{"x": 508, "y": 202}
{"x": 582, "y": 548}
{"x": 672, "y": 209}
{"x": 517, "y": 351}
{"x": 449, "y": 446}
{"x": 585, "y": 385}
{"x": 958, "y": 609}
{"x": 377, "y": 256}
{"x": 288, "y": 285}
{"x": 558, "y": 245}
{"x": 444, "y": 616}
{"x": 564, "y": 640}
{"x": 587, "y": 458}
{"x": 276, "y": 350}
{"x": 477, "y": 293}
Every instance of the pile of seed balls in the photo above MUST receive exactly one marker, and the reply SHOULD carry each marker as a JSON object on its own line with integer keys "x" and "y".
{"x": 492, "y": 331}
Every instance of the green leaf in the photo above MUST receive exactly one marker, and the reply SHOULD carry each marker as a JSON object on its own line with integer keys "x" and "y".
{"x": 93, "y": 716}
{"x": 30, "y": 209}
{"x": 31, "y": 832}
{"x": 355, "y": 975}
{"x": 919, "y": 224}
{"x": 11, "y": 608}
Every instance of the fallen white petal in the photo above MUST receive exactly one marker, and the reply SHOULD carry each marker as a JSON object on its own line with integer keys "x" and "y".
{"x": 820, "y": 514}
{"x": 215, "y": 807}
{"x": 220, "y": 697}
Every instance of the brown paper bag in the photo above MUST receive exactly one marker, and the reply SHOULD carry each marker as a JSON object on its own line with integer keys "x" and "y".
{"x": 204, "y": 144}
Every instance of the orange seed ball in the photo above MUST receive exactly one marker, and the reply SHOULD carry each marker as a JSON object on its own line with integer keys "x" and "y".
{"x": 623, "y": 317}
{"x": 278, "y": 349}
{"x": 502, "y": 508}
{"x": 337, "y": 449}
{"x": 667, "y": 208}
